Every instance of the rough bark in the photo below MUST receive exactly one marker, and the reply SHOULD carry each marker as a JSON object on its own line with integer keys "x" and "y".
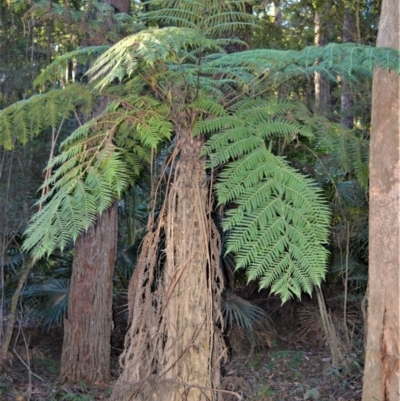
{"x": 382, "y": 371}
{"x": 185, "y": 313}
{"x": 87, "y": 329}
{"x": 174, "y": 347}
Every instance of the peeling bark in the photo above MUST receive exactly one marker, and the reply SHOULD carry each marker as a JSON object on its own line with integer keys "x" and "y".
{"x": 174, "y": 348}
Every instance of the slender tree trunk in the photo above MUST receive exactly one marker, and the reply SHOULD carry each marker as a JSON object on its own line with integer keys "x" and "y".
{"x": 87, "y": 329}
{"x": 347, "y": 100}
{"x": 382, "y": 370}
{"x": 322, "y": 86}
{"x": 174, "y": 347}
{"x": 6, "y": 341}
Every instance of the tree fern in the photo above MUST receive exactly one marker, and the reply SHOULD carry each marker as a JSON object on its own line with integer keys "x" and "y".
{"x": 277, "y": 225}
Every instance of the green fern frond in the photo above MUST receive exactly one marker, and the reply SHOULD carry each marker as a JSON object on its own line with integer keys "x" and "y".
{"x": 253, "y": 121}
{"x": 350, "y": 61}
{"x": 147, "y": 48}
{"x": 32, "y": 116}
{"x": 207, "y": 105}
{"x": 97, "y": 164}
{"x": 75, "y": 205}
{"x": 214, "y": 18}
{"x": 279, "y": 227}
{"x": 350, "y": 151}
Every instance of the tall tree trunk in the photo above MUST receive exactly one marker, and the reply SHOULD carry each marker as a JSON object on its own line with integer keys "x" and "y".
{"x": 189, "y": 342}
{"x": 346, "y": 99}
{"x": 87, "y": 329}
{"x": 322, "y": 86}
{"x": 382, "y": 370}
{"x": 174, "y": 348}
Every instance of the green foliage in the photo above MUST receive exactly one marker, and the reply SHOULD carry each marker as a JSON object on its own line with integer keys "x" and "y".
{"x": 89, "y": 174}
{"x": 215, "y": 18}
{"x": 147, "y": 49}
{"x": 277, "y": 222}
{"x": 53, "y": 294}
{"x": 27, "y": 118}
{"x": 246, "y": 315}
{"x": 334, "y": 60}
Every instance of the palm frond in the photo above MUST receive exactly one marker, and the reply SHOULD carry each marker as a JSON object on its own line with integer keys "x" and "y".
{"x": 245, "y": 315}
{"x": 51, "y": 301}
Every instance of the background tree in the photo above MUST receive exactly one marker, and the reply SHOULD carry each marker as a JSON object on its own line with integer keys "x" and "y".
{"x": 94, "y": 23}
{"x": 381, "y": 374}
{"x": 87, "y": 328}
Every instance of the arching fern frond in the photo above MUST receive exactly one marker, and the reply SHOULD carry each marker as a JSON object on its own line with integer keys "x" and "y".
{"x": 278, "y": 227}
{"x": 277, "y": 219}
{"x": 31, "y": 116}
{"x": 213, "y": 17}
{"x": 272, "y": 67}
{"x": 349, "y": 150}
{"x": 97, "y": 164}
{"x": 88, "y": 176}
{"x": 147, "y": 48}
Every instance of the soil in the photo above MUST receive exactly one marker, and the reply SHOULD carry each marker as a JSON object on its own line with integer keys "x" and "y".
{"x": 292, "y": 368}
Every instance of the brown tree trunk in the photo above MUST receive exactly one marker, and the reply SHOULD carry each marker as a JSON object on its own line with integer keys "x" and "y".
{"x": 382, "y": 370}
{"x": 189, "y": 342}
{"x": 174, "y": 347}
{"x": 87, "y": 329}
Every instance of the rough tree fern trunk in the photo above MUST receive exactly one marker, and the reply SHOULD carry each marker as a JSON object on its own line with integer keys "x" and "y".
{"x": 174, "y": 348}
{"x": 188, "y": 316}
{"x": 87, "y": 329}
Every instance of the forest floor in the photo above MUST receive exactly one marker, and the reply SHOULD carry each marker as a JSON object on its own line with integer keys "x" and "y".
{"x": 291, "y": 368}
